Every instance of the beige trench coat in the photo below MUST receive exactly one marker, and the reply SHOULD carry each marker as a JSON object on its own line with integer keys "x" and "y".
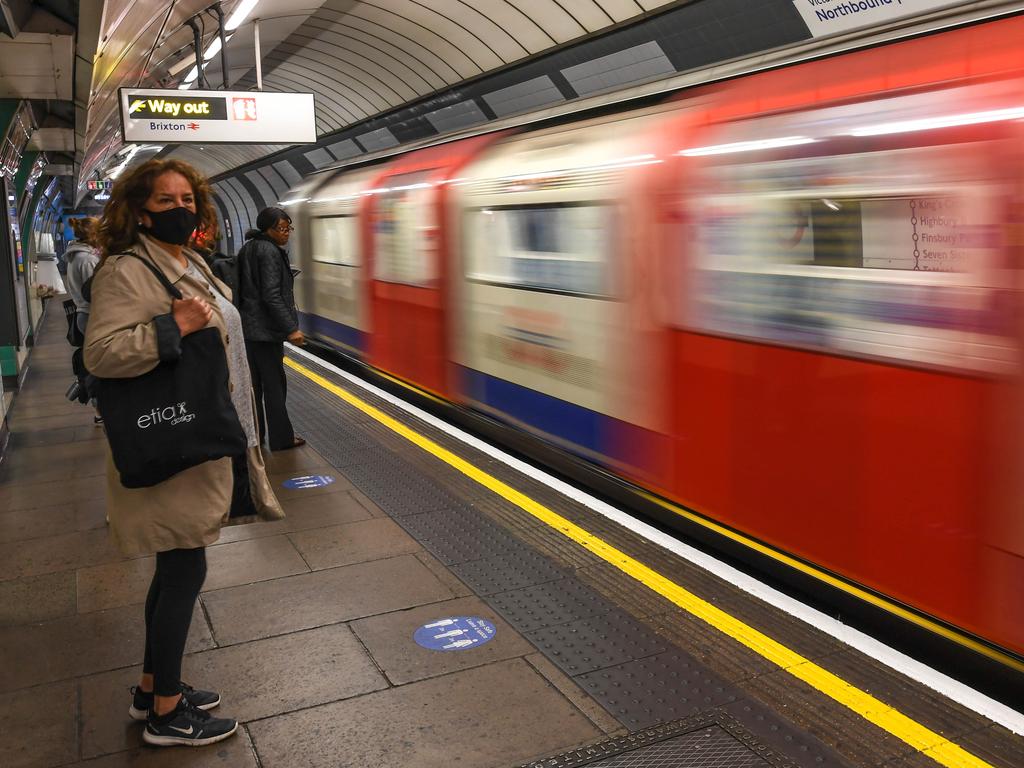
{"x": 186, "y": 510}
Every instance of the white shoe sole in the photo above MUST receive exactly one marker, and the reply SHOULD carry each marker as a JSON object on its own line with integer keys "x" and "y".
{"x": 184, "y": 741}
{"x": 143, "y": 714}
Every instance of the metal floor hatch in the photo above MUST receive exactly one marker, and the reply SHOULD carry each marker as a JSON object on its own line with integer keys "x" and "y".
{"x": 709, "y": 740}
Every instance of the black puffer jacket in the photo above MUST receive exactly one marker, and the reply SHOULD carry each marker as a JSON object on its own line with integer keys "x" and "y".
{"x": 265, "y": 294}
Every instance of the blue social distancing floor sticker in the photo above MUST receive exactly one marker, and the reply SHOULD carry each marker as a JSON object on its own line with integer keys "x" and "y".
{"x": 456, "y": 633}
{"x": 308, "y": 481}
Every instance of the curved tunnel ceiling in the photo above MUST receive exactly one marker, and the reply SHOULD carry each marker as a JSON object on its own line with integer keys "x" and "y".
{"x": 359, "y": 57}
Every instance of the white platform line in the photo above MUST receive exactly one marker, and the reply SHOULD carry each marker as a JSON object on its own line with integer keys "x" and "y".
{"x": 963, "y": 694}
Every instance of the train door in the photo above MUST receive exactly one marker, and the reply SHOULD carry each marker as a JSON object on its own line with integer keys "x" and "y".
{"x": 556, "y": 332}
{"x": 407, "y": 285}
{"x": 846, "y": 323}
{"x": 332, "y": 286}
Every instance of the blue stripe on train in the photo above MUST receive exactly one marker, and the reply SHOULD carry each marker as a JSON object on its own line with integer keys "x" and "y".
{"x": 574, "y": 424}
{"x": 581, "y": 426}
{"x": 322, "y": 327}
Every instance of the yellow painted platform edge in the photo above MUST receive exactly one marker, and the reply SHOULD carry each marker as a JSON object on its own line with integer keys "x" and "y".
{"x": 923, "y": 739}
{"x": 865, "y": 595}
{"x": 833, "y": 581}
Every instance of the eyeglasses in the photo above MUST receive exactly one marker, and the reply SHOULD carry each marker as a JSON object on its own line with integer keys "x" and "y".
{"x": 285, "y": 228}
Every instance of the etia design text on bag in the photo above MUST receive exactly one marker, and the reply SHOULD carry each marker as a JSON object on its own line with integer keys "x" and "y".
{"x": 175, "y": 414}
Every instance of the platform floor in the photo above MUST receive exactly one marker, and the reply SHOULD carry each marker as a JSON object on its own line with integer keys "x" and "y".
{"x": 306, "y": 625}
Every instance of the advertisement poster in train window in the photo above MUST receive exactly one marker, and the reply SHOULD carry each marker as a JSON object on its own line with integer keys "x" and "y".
{"x": 561, "y": 247}
{"x": 336, "y": 240}
{"x": 402, "y": 232}
{"x": 844, "y": 253}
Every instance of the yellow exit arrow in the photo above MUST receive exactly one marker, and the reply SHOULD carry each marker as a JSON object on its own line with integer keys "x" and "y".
{"x": 137, "y": 104}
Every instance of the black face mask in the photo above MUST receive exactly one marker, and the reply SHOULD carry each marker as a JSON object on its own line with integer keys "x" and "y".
{"x": 174, "y": 226}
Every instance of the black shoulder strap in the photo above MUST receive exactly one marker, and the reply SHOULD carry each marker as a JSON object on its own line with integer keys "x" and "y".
{"x": 167, "y": 284}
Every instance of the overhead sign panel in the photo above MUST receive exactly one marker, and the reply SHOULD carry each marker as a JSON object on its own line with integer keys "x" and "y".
{"x": 212, "y": 117}
{"x": 826, "y": 17}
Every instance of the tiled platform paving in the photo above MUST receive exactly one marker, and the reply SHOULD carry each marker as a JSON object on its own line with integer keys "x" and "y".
{"x": 304, "y": 625}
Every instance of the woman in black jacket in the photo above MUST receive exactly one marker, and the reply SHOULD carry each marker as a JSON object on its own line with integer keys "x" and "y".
{"x": 266, "y": 300}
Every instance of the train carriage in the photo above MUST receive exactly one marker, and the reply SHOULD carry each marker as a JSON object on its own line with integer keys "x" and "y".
{"x": 789, "y": 301}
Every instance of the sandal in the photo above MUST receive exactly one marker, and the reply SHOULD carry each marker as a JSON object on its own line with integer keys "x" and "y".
{"x": 297, "y": 442}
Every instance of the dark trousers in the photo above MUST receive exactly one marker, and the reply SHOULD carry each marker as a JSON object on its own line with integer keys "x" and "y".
{"x": 172, "y": 596}
{"x": 269, "y": 385}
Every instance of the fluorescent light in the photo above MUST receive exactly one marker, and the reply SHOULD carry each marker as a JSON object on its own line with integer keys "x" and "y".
{"x": 943, "y": 121}
{"x": 184, "y": 86}
{"x": 124, "y": 163}
{"x": 192, "y": 75}
{"x": 294, "y": 201}
{"x": 211, "y": 51}
{"x": 242, "y": 10}
{"x": 747, "y": 146}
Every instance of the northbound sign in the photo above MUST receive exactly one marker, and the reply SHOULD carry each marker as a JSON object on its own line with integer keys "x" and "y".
{"x": 210, "y": 117}
{"x": 827, "y": 17}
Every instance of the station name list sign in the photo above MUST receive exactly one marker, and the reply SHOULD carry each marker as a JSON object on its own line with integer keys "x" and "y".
{"x": 826, "y": 17}
{"x": 211, "y": 117}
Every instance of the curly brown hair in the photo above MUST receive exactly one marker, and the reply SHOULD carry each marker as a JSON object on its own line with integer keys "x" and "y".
{"x": 84, "y": 228}
{"x": 119, "y": 227}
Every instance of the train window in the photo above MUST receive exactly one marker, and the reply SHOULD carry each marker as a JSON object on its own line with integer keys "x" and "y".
{"x": 891, "y": 253}
{"x": 335, "y": 240}
{"x": 922, "y": 233}
{"x": 403, "y": 235}
{"x": 555, "y": 247}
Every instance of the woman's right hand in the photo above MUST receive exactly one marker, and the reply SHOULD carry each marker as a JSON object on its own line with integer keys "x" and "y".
{"x": 191, "y": 315}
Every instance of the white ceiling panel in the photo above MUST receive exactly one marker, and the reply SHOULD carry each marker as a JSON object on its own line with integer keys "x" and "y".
{"x": 276, "y": 181}
{"x": 360, "y": 58}
{"x": 590, "y": 15}
{"x": 650, "y": 5}
{"x": 518, "y": 19}
{"x": 555, "y": 20}
{"x": 622, "y": 10}
{"x": 422, "y": 36}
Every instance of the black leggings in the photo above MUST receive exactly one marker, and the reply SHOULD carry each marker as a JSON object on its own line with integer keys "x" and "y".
{"x": 172, "y": 596}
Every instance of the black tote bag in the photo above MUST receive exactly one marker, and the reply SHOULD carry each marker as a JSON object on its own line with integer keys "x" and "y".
{"x": 174, "y": 417}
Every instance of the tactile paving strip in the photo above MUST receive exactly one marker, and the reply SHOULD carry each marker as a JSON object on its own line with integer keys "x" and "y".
{"x": 602, "y": 641}
{"x": 658, "y": 689}
{"x": 449, "y": 523}
{"x": 502, "y": 573}
{"x": 549, "y": 604}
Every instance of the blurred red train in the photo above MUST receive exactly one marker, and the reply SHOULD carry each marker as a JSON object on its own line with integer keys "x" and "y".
{"x": 790, "y": 302}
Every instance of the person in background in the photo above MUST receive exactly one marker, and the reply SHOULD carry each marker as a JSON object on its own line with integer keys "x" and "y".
{"x": 133, "y": 327}
{"x": 266, "y": 299}
{"x": 207, "y": 245}
{"x": 82, "y": 257}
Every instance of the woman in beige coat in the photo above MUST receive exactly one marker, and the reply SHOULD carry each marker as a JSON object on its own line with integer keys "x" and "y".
{"x": 134, "y": 325}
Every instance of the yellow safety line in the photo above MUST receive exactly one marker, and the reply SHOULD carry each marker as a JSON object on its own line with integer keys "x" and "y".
{"x": 864, "y": 704}
{"x": 411, "y": 387}
{"x": 861, "y": 594}
{"x": 858, "y": 592}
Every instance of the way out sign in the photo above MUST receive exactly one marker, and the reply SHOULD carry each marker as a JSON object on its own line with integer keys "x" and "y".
{"x": 455, "y": 633}
{"x": 211, "y": 117}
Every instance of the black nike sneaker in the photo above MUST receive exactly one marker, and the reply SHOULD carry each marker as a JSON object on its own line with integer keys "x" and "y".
{"x": 188, "y": 726}
{"x": 142, "y": 701}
